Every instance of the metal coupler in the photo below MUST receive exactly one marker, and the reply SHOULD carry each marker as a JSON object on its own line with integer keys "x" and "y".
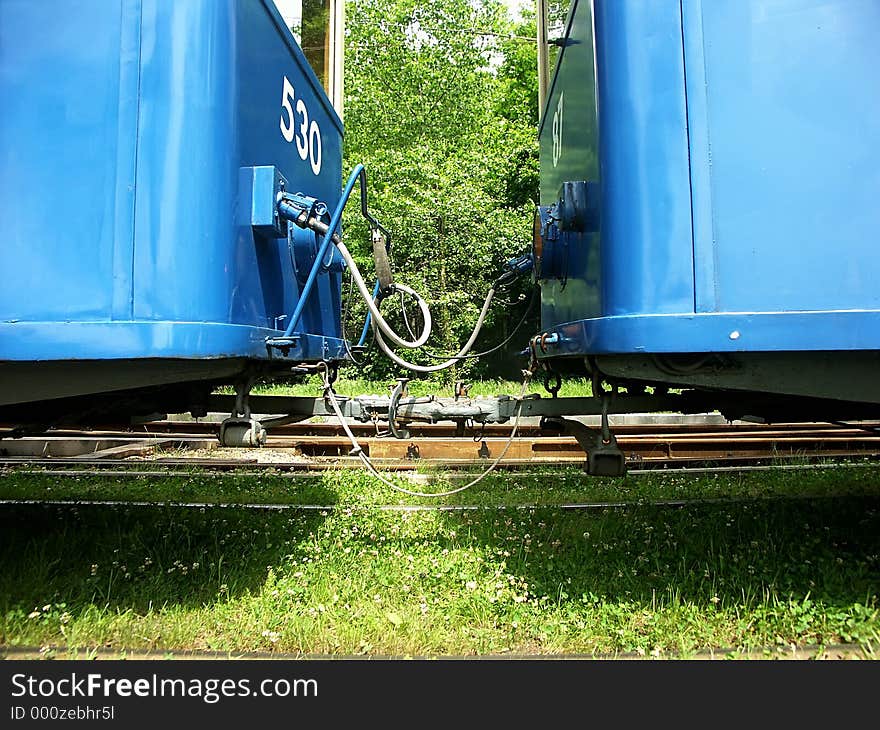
{"x": 241, "y": 429}
{"x": 242, "y": 432}
{"x": 604, "y": 457}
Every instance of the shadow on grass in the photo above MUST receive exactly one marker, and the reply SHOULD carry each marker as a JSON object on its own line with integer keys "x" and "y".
{"x": 827, "y": 550}
{"x": 141, "y": 558}
{"x": 621, "y": 562}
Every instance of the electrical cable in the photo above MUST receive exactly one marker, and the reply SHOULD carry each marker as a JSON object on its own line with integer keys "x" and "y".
{"x": 344, "y": 321}
{"x": 375, "y": 318}
{"x": 380, "y": 326}
{"x": 366, "y": 327}
{"x": 358, "y": 451}
{"x": 474, "y": 355}
{"x": 406, "y": 324}
{"x": 379, "y": 323}
{"x": 448, "y": 363}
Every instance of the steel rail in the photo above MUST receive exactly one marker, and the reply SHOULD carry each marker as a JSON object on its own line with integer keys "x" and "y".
{"x": 655, "y": 445}
{"x": 189, "y": 467}
{"x": 526, "y": 507}
{"x": 201, "y": 428}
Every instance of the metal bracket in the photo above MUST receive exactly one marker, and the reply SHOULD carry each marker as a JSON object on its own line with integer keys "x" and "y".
{"x": 553, "y": 389}
{"x": 241, "y": 429}
{"x": 604, "y": 457}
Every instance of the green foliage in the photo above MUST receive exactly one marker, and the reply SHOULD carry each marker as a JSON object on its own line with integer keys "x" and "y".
{"x": 440, "y": 107}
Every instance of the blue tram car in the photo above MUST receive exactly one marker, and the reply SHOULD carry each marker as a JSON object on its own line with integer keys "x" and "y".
{"x": 710, "y": 178}
{"x": 142, "y": 143}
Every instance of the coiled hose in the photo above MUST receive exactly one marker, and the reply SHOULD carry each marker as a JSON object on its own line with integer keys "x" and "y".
{"x": 380, "y": 326}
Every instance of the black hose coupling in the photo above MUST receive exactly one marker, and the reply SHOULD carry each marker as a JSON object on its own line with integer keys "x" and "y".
{"x": 305, "y": 212}
{"x": 513, "y": 269}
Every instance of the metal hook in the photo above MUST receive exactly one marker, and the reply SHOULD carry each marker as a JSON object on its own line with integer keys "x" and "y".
{"x": 556, "y": 387}
{"x": 396, "y": 394}
{"x": 481, "y": 434}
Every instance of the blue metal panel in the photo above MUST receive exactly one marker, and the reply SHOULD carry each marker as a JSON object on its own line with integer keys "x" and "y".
{"x": 642, "y": 259}
{"x": 569, "y": 144}
{"x": 734, "y": 332}
{"x": 261, "y": 186}
{"x": 578, "y": 158}
{"x": 646, "y": 219}
{"x": 173, "y": 340}
{"x": 186, "y": 268}
{"x": 783, "y": 97}
{"x": 267, "y": 54}
{"x": 68, "y": 128}
{"x": 219, "y": 97}
{"x": 739, "y": 176}
{"x": 125, "y": 206}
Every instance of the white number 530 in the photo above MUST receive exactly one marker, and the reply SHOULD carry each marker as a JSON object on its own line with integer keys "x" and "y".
{"x": 297, "y": 127}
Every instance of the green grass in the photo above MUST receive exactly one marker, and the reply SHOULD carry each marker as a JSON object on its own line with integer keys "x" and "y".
{"x": 342, "y": 487}
{"x": 353, "y": 580}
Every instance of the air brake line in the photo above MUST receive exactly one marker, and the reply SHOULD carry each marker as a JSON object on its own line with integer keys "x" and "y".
{"x": 358, "y": 451}
{"x": 309, "y": 213}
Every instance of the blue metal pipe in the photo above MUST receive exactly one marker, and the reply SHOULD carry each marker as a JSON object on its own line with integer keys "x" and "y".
{"x": 369, "y": 319}
{"x": 328, "y": 240}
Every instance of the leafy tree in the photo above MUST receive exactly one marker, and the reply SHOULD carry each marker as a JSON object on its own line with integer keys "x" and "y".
{"x": 441, "y": 106}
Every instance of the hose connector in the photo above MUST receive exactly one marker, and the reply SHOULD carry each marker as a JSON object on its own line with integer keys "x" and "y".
{"x": 380, "y": 259}
{"x": 305, "y": 212}
{"x": 514, "y": 268}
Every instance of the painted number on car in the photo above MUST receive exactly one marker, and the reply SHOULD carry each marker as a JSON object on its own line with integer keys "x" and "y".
{"x": 296, "y": 127}
{"x": 557, "y": 131}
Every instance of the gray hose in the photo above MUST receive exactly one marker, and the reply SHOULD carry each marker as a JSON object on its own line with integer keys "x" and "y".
{"x": 380, "y": 326}
{"x": 378, "y": 320}
{"x": 358, "y": 451}
{"x": 451, "y": 361}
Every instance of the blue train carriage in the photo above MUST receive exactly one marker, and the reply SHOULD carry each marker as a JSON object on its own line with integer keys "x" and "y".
{"x": 142, "y": 146}
{"x": 710, "y": 178}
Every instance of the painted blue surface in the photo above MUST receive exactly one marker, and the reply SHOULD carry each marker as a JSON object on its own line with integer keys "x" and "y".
{"x": 175, "y": 340}
{"x": 722, "y": 332}
{"x": 124, "y": 208}
{"x": 739, "y": 170}
{"x": 790, "y": 163}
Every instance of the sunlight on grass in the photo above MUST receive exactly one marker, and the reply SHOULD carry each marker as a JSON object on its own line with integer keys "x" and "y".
{"x": 353, "y": 580}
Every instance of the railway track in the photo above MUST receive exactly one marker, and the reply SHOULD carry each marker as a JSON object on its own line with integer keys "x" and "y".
{"x": 646, "y": 442}
{"x": 579, "y": 506}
